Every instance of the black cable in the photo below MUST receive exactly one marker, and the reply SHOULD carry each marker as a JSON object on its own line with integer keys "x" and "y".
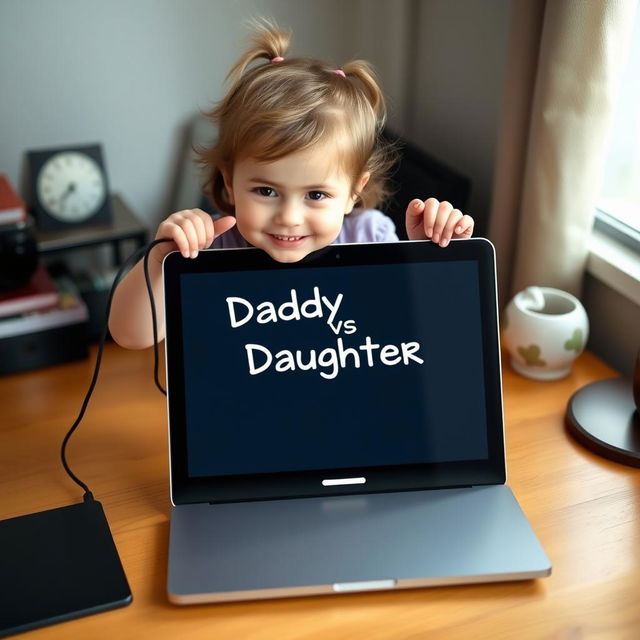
{"x": 154, "y": 321}
{"x": 133, "y": 259}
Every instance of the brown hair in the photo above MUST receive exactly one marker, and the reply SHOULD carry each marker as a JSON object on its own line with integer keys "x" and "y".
{"x": 277, "y": 108}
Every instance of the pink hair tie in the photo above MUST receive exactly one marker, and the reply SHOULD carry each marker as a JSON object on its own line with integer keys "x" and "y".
{"x": 277, "y": 59}
{"x": 340, "y": 72}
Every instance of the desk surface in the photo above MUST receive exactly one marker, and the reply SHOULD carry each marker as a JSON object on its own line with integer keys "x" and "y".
{"x": 585, "y": 510}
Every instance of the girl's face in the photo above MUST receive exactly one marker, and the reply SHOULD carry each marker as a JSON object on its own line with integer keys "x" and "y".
{"x": 291, "y": 206}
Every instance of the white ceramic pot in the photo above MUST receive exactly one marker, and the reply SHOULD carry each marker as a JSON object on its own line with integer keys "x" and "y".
{"x": 544, "y": 331}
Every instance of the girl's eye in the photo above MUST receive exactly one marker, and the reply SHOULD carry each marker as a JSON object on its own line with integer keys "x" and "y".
{"x": 267, "y": 192}
{"x": 316, "y": 195}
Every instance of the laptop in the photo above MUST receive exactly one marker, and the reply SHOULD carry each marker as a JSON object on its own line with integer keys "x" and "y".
{"x": 336, "y": 425}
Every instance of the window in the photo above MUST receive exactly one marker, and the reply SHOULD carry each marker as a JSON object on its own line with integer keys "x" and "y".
{"x": 618, "y": 208}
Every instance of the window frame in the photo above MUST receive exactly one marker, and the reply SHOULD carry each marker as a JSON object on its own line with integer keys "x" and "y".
{"x": 616, "y": 229}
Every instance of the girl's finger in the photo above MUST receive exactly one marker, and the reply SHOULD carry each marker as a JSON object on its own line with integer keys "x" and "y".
{"x": 209, "y": 229}
{"x": 174, "y": 232}
{"x": 413, "y": 219}
{"x": 449, "y": 228}
{"x": 431, "y": 207}
{"x": 444, "y": 210}
{"x": 221, "y": 225}
{"x": 201, "y": 230}
{"x": 189, "y": 230}
{"x": 199, "y": 225}
{"x": 464, "y": 228}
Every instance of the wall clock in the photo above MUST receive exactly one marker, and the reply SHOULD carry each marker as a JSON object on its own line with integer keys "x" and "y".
{"x": 69, "y": 187}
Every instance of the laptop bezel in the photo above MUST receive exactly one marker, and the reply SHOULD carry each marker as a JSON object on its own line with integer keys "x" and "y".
{"x": 186, "y": 489}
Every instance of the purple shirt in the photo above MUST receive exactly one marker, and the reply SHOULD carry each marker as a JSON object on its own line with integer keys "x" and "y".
{"x": 361, "y": 225}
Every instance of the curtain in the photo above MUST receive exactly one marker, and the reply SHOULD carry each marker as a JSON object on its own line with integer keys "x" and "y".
{"x": 565, "y": 61}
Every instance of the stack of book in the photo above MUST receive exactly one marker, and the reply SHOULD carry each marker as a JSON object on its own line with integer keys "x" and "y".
{"x": 12, "y": 209}
{"x": 42, "y": 323}
{"x": 39, "y": 294}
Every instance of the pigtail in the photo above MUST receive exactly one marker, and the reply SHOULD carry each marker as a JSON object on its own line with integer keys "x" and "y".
{"x": 381, "y": 155}
{"x": 364, "y": 74}
{"x": 268, "y": 42}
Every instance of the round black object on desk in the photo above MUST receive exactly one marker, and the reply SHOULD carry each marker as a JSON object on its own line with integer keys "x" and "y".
{"x": 602, "y": 417}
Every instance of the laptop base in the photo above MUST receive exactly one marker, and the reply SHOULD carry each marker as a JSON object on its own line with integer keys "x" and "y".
{"x": 280, "y": 548}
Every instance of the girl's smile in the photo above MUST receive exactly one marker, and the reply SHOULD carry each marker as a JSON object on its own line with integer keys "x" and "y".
{"x": 287, "y": 241}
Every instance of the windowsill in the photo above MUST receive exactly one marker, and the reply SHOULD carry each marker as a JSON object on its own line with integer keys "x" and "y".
{"x": 615, "y": 265}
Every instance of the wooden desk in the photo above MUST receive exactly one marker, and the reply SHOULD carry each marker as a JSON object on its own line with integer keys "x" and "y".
{"x": 585, "y": 509}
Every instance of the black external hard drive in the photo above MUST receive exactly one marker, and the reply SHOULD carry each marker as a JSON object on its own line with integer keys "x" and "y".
{"x": 58, "y": 565}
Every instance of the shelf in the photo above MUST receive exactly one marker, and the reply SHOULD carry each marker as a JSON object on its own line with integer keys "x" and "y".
{"x": 125, "y": 226}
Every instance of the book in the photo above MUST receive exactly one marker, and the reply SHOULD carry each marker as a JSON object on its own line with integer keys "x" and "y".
{"x": 46, "y": 338}
{"x": 38, "y": 294}
{"x": 69, "y": 309}
{"x": 12, "y": 209}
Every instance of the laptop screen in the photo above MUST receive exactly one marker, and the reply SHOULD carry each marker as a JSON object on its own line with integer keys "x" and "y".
{"x": 371, "y": 363}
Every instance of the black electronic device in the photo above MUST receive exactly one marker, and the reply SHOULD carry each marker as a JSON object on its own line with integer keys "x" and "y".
{"x": 397, "y": 275}
{"x": 57, "y": 565}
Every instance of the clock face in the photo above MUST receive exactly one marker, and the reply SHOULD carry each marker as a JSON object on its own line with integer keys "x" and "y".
{"x": 71, "y": 186}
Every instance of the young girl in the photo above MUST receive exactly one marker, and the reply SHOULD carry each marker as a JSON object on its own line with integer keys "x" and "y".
{"x": 298, "y": 164}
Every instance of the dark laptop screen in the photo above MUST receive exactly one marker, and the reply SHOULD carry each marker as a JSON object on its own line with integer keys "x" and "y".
{"x": 332, "y": 368}
{"x": 327, "y": 368}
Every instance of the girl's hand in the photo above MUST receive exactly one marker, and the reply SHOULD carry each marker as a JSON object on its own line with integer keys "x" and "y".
{"x": 191, "y": 230}
{"x": 436, "y": 221}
